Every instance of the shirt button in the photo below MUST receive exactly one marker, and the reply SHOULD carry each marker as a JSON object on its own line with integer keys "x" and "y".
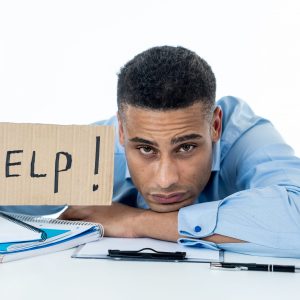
{"x": 197, "y": 228}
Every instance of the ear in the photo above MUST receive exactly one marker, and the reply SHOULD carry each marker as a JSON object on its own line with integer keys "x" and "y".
{"x": 216, "y": 128}
{"x": 120, "y": 127}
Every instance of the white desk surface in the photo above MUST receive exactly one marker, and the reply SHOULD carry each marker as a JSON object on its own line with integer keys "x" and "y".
{"x": 58, "y": 276}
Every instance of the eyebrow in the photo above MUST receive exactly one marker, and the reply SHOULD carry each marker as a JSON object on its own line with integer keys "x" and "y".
{"x": 143, "y": 141}
{"x": 174, "y": 141}
{"x": 180, "y": 139}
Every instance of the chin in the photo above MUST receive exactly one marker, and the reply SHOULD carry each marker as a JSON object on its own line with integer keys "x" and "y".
{"x": 164, "y": 208}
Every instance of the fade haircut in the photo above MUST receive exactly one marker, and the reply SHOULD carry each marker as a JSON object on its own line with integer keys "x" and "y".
{"x": 166, "y": 78}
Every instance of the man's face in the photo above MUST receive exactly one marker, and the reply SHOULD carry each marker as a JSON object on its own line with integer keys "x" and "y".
{"x": 169, "y": 153}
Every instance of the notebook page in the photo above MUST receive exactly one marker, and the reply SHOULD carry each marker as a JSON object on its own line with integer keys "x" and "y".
{"x": 13, "y": 232}
{"x": 99, "y": 249}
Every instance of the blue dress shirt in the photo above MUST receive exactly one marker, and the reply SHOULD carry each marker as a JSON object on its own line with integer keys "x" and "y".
{"x": 253, "y": 193}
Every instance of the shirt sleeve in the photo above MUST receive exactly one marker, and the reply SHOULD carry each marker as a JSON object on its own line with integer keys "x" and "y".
{"x": 265, "y": 212}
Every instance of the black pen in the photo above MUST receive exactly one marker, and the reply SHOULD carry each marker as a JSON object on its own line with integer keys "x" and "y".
{"x": 254, "y": 267}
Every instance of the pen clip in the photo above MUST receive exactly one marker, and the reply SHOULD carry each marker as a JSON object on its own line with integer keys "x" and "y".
{"x": 140, "y": 254}
{"x": 227, "y": 267}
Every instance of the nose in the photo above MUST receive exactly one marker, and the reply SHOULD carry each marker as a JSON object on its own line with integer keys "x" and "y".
{"x": 167, "y": 173}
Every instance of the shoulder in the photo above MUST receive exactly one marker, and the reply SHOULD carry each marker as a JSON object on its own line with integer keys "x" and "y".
{"x": 113, "y": 121}
{"x": 238, "y": 119}
{"x": 237, "y": 112}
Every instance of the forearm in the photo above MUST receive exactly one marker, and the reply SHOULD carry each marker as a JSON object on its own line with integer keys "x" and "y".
{"x": 164, "y": 226}
{"x": 120, "y": 220}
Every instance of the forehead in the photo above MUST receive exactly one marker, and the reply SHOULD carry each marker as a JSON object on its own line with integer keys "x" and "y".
{"x": 157, "y": 124}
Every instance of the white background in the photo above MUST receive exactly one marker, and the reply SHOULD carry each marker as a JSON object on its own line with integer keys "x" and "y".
{"x": 59, "y": 59}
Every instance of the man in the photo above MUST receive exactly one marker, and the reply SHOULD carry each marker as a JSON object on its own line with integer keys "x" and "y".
{"x": 189, "y": 170}
{"x": 207, "y": 175}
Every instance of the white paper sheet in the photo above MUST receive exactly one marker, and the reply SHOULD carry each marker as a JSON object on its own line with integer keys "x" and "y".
{"x": 12, "y": 232}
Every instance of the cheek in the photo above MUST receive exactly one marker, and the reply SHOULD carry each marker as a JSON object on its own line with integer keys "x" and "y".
{"x": 196, "y": 171}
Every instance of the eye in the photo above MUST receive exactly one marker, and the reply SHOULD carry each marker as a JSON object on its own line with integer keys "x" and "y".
{"x": 146, "y": 150}
{"x": 186, "y": 148}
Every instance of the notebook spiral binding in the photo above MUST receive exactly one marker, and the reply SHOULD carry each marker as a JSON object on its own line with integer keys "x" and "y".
{"x": 26, "y": 225}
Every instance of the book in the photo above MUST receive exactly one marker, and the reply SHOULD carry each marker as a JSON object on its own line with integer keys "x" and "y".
{"x": 100, "y": 250}
{"x": 27, "y": 236}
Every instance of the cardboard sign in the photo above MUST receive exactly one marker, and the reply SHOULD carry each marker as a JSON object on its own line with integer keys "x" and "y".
{"x": 56, "y": 164}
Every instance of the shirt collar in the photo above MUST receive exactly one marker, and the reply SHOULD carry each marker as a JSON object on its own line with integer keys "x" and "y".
{"x": 216, "y": 156}
{"x": 127, "y": 174}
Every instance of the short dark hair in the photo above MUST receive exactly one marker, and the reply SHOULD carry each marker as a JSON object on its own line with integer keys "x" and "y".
{"x": 164, "y": 78}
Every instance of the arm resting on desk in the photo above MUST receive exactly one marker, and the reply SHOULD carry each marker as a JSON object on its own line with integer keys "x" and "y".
{"x": 120, "y": 220}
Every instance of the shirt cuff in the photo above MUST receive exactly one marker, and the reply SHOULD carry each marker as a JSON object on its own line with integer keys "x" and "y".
{"x": 197, "y": 243}
{"x": 198, "y": 221}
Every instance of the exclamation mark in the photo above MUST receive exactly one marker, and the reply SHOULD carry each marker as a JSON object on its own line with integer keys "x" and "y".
{"x": 97, "y": 158}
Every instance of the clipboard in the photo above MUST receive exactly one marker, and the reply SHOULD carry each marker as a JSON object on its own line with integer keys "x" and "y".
{"x": 145, "y": 249}
{"x": 146, "y": 254}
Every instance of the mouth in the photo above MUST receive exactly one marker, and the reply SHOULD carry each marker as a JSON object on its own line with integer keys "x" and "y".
{"x": 168, "y": 198}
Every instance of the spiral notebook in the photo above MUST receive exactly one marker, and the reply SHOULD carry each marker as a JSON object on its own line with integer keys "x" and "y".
{"x": 24, "y": 236}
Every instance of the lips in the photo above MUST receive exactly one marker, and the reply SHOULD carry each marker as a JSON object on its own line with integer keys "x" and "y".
{"x": 168, "y": 199}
